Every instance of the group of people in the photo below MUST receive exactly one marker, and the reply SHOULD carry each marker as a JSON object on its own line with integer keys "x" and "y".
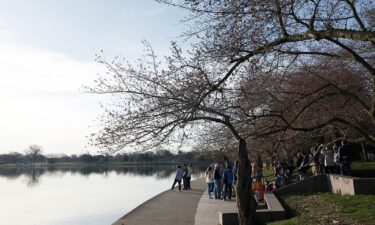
{"x": 326, "y": 159}
{"x": 183, "y": 174}
{"x": 283, "y": 171}
{"x": 220, "y": 181}
{"x": 333, "y": 159}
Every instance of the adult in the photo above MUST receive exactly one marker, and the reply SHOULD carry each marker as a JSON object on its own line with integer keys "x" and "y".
{"x": 178, "y": 177}
{"x": 184, "y": 177}
{"x": 303, "y": 166}
{"x": 217, "y": 181}
{"x": 344, "y": 159}
{"x": 280, "y": 173}
{"x": 268, "y": 163}
{"x": 316, "y": 161}
{"x": 336, "y": 158}
{"x": 321, "y": 163}
{"x": 188, "y": 176}
{"x": 228, "y": 178}
{"x": 210, "y": 180}
{"x": 256, "y": 182}
{"x": 289, "y": 170}
{"x": 260, "y": 163}
{"x": 235, "y": 172}
{"x": 329, "y": 163}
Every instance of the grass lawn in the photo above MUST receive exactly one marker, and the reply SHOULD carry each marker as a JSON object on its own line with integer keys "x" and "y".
{"x": 359, "y": 165}
{"x": 326, "y": 208}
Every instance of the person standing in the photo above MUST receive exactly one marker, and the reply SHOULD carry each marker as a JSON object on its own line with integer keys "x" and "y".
{"x": 210, "y": 181}
{"x": 279, "y": 175}
{"x": 260, "y": 163}
{"x": 235, "y": 171}
{"x": 321, "y": 163}
{"x": 257, "y": 182}
{"x": 329, "y": 162}
{"x": 188, "y": 176}
{"x": 335, "y": 150}
{"x": 316, "y": 162}
{"x": 344, "y": 159}
{"x": 289, "y": 170}
{"x": 228, "y": 178}
{"x": 302, "y": 164}
{"x": 178, "y": 177}
{"x": 184, "y": 177}
{"x": 217, "y": 182}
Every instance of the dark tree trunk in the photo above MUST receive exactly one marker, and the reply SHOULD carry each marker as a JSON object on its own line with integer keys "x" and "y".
{"x": 245, "y": 198}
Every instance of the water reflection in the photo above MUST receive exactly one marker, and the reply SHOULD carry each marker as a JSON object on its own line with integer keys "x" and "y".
{"x": 33, "y": 175}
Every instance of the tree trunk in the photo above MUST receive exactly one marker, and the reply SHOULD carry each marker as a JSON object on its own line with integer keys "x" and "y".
{"x": 245, "y": 198}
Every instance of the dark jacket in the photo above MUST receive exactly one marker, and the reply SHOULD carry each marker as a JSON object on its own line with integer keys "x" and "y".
{"x": 217, "y": 175}
{"x": 344, "y": 154}
{"x": 228, "y": 176}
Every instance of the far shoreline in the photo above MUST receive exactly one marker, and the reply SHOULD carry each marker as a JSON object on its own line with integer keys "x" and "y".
{"x": 75, "y": 164}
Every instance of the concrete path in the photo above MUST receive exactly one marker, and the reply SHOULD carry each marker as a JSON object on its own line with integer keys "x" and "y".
{"x": 168, "y": 208}
{"x": 208, "y": 209}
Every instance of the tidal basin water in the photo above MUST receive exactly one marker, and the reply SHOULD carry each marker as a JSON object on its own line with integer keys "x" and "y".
{"x": 79, "y": 195}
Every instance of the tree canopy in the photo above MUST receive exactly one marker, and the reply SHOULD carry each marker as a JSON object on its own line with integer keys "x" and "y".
{"x": 261, "y": 69}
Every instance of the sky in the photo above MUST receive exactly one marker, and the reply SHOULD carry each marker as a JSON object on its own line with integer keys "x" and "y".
{"x": 47, "y": 54}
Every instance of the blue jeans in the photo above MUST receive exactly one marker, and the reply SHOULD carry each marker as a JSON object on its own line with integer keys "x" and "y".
{"x": 210, "y": 188}
{"x": 179, "y": 184}
{"x": 227, "y": 190}
{"x": 217, "y": 188}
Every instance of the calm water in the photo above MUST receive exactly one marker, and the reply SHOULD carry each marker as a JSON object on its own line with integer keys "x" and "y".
{"x": 78, "y": 196}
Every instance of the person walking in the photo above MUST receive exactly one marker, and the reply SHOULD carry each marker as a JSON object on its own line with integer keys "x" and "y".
{"x": 178, "y": 177}
{"x": 210, "y": 180}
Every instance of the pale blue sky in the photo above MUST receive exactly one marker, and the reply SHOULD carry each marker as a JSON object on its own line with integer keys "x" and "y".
{"x": 47, "y": 52}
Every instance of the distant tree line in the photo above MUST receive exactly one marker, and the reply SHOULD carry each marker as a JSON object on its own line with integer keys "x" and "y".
{"x": 33, "y": 174}
{"x": 34, "y": 155}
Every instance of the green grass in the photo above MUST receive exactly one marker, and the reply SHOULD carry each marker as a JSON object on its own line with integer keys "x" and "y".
{"x": 357, "y": 207}
{"x": 327, "y": 209}
{"x": 293, "y": 221}
{"x": 359, "y": 165}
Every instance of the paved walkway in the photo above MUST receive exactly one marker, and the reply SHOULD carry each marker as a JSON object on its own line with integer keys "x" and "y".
{"x": 208, "y": 209}
{"x": 168, "y": 208}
